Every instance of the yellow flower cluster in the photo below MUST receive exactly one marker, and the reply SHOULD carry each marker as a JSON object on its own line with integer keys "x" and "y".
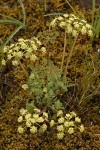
{"x": 36, "y": 121}
{"x": 23, "y": 49}
{"x": 68, "y": 124}
{"x": 73, "y": 25}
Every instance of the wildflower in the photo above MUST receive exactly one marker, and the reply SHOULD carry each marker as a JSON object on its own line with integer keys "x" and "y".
{"x": 35, "y": 116}
{"x": 73, "y": 114}
{"x": 52, "y": 122}
{"x": 61, "y": 120}
{"x": 5, "y": 49}
{"x": 71, "y": 19}
{"x": 33, "y": 120}
{"x": 60, "y": 135}
{"x": 34, "y": 47}
{"x": 16, "y": 48}
{"x": 53, "y": 23}
{"x": 19, "y": 54}
{"x": 3, "y": 62}
{"x": 14, "y": 54}
{"x": 69, "y": 29}
{"x": 77, "y": 119}
{"x": 25, "y": 86}
{"x": 27, "y": 116}
{"x": 20, "y": 40}
{"x": 28, "y": 123}
{"x": 87, "y": 25}
{"x": 84, "y": 21}
{"x": 45, "y": 114}
{"x": 43, "y": 49}
{"x": 72, "y": 15}
{"x": 81, "y": 128}
{"x": 10, "y": 51}
{"x": 33, "y": 57}
{"x": 60, "y": 18}
{"x": 20, "y": 119}
{"x": 76, "y": 25}
{"x": 69, "y": 22}
{"x": 83, "y": 30}
{"x": 65, "y": 15}
{"x": 12, "y": 45}
{"x": 15, "y": 62}
{"x": 23, "y": 111}
{"x": 33, "y": 129}
{"x": 44, "y": 127}
{"x": 74, "y": 33}
{"x": 62, "y": 24}
{"x": 29, "y": 50}
{"x": 23, "y": 45}
{"x": 90, "y": 33}
{"x": 68, "y": 116}
{"x": 71, "y": 123}
{"x": 60, "y": 128}
{"x": 59, "y": 113}
{"x": 66, "y": 124}
{"x": 40, "y": 119}
{"x": 37, "y": 110}
{"x": 38, "y": 42}
{"x": 70, "y": 130}
{"x": 20, "y": 129}
{"x": 9, "y": 56}
{"x": 27, "y": 55}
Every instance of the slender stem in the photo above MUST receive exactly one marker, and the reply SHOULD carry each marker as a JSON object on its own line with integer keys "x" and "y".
{"x": 45, "y": 5}
{"x": 23, "y": 10}
{"x": 63, "y": 56}
{"x": 71, "y": 7}
{"x": 70, "y": 55}
{"x": 83, "y": 97}
{"x": 93, "y": 10}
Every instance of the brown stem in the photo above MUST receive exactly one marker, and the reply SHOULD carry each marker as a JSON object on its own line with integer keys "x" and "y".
{"x": 63, "y": 56}
{"x": 70, "y": 55}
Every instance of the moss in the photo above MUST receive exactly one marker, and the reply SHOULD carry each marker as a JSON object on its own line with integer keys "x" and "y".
{"x": 12, "y": 79}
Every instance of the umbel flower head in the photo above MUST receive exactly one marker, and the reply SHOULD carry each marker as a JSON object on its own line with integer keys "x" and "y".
{"x": 23, "y": 49}
{"x": 38, "y": 122}
{"x": 73, "y": 25}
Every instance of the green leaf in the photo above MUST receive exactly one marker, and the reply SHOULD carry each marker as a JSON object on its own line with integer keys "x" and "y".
{"x": 30, "y": 106}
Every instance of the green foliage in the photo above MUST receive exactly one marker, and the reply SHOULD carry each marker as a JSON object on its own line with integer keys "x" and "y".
{"x": 30, "y": 107}
{"x": 48, "y": 37}
{"x": 90, "y": 85}
{"x": 11, "y": 20}
{"x": 46, "y": 85}
{"x": 95, "y": 19}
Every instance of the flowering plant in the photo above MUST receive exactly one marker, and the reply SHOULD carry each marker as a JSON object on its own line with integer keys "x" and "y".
{"x": 21, "y": 51}
{"x": 39, "y": 122}
{"x": 45, "y": 85}
{"x": 73, "y": 25}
